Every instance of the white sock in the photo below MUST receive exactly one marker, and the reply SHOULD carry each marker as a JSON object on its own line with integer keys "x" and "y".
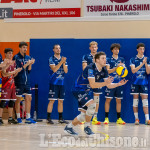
{"x": 95, "y": 114}
{"x": 70, "y": 125}
{"x": 27, "y": 115}
{"x": 87, "y": 124}
{"x": 136, "y": 115}
{"x": 147, "y": 117}
{"x": 18, "y": 115}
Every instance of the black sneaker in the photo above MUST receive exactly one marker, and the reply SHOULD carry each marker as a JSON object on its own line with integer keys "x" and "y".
{"x": 1, "y": 122}
{"x": 63, "y": 121}
{"x": 49, "y": 121}
{"x": 12, "y": 121}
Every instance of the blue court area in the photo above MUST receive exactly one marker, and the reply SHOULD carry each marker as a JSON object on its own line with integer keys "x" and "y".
{"x": 74, "y": 49}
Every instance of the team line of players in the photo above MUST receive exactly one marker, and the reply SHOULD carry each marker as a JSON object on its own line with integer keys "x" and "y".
{"x": 97, "y": 73}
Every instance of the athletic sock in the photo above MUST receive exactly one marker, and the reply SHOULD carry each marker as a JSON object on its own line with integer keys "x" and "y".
{"x": 18, "y": 115}
{"x": 106, "y": 114}
{"x": 147, "y": 117}
{"x": 136, "y": 115}
{"x": 118, "y": 115}
{"x": 60, "y": 116}
{"x": 28, "y": 115}
{"x": 95, "y": 114}
{"x": 48, "y": 115}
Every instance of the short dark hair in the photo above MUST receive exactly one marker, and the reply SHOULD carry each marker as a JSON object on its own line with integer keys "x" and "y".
{"x": 140, "y": 45}
{"x": 55, "y": 45}
{"x": 117, "y": 45}
{"x": 22, "y": 44}
{"x": 97, "y": 56}
{"x": 8, "y": 50}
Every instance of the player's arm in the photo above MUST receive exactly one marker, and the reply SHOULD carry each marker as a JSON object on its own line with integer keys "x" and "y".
{"x": 114, "y": 85}
{"x": 135, "y": 69}
{"x": 31, "y": 63}
{"x": 56, "y": 67}
{"x": 84, "y": 64}
{"x": 94, "y": 84}
{"x": 7, "y": 74}
{"x": 147, "y": 66}
{"x": 113, "y": 69}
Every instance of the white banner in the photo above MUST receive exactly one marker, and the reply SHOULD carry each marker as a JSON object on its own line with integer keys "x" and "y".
{"x": 112, "y": 9}
{"x": 43, "y": 8}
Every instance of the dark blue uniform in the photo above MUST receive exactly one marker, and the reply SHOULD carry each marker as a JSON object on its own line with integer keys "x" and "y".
{"x": 118, "y": 91}
{"x": 139, "y": 79}
{"x": 89, "y": 59}
{"x": 22, "y": 80}
{"x": 56, "y": 89}
{"x": 0, "y": 77}
{"x": 81, "y": 90}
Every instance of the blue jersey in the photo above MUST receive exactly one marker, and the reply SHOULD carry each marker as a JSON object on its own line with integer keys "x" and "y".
{"x": 23, "y": 77}
{"x": 112, "y": 62}
{"x": 140, "y": 77}
{"x": 91, "y": 71}
{"x": 0, "y": 58}
{"x": 56, "y": 78}
{"x": 88, "y": 59}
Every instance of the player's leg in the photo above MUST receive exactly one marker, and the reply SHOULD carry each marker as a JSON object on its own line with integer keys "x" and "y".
{"x": 52, "y": 97}
{"x": 61, "y": 95}
{"x": 10, "y": 112}
{"x": 87, "y": 107}
{"x": 109, "y": 94}
{"x": 19, "y": 92}
{"x": 2, "y": 105}
{"x": 91, "y": 106}
{"x": 119, "y": 97}
{"x": 107, "y": 106}
{"x": 135, "y": 92}
{"x": 96, "y": 100}
{"x": 144, "y": 96}
{"x": 28, "y": 99}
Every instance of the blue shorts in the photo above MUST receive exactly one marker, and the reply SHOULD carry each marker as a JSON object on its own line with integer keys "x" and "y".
{"x": 56, "y": 92}
{"x": 97, "y": 91}
{"x": 115, "y": 92}
{"x": 139, "y": 89}
{"x": 22, "y": 90}
{"x": 83, "y": 98}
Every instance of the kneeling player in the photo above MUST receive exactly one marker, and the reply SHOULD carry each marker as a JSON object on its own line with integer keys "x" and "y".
{"x": 83, "y": 91}
{"x": 8, "y": 86}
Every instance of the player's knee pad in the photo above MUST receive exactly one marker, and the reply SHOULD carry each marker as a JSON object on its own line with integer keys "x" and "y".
{"x": 145, "y": 102}
{"x": 135, "y": 102}
{"x": 96, "y": 99}
{"x": 91, "y": 109}
{"x": 81, "y": 117}
{"x": 2, "y": 104}
{"x": 11, "y": 104}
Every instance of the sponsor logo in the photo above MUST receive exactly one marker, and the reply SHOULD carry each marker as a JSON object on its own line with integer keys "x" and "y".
{"x": 119, "y": 1}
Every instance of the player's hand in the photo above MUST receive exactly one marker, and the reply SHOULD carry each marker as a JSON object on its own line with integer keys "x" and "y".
{"x": 32, "y": 61}
{"x": 145, "y": 60}
{"x": 123, "y": 82}
{"x": 120, "y": 64}
{"x": 63, "y": 59}
{"x": 109, "y": 80}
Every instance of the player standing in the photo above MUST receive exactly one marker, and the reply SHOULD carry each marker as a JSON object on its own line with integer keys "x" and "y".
{"x": 112, "y": 64}
{"x": 140, "y": 67}
{"x": 22, "y": 82}
{"x": 92, "y": 77}
{"x": 87, "y": 60}
{"x": 8, "y": 86}
{"x": 58, "y": 69}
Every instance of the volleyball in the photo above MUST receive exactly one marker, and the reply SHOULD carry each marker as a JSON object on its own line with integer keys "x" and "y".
{"x": 122, "y": 71}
